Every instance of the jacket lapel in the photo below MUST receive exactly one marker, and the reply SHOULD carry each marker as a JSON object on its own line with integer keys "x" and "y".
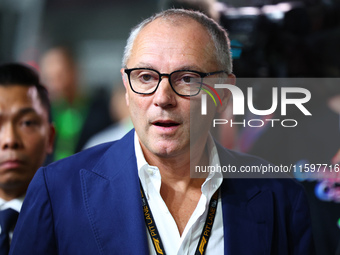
{"x": 112, "y": 189}
{"x": 248, "y": 214}
{"x": 112, "y": 200}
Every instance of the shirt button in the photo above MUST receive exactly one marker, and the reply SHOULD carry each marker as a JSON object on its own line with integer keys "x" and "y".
{"x": 151, "y": 171}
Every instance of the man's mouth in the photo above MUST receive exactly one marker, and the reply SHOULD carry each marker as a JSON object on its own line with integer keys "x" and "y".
{"x": 165, "y": 123}
{"x": 8, "y": 164}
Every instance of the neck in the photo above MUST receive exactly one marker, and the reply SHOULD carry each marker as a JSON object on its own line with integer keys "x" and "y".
{"x": 9, "y": 195}
{"x": 70, "y": 97}
{"x": 179, "y": 191}
{"x": 175, "y": 171}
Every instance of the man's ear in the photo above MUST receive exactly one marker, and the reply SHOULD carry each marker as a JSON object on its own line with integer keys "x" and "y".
{"x": 126, "y": 85}
{"x": 51, "y": 138}
{"x": 225, "y": 95}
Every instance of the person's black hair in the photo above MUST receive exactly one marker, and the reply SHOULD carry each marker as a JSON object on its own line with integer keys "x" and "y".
{"x": 22, "y": 75}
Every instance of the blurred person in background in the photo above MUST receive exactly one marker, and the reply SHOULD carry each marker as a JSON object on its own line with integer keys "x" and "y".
{"x": 76, "y": 115}
{"x": 120, "y": 112}
{"x": 26, "y": 137}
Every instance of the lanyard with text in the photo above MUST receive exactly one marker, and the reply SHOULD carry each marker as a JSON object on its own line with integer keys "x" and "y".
{"x": 153, "y": 231}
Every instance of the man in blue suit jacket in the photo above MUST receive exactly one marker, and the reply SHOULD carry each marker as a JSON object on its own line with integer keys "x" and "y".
{"x": 136, "y": 195}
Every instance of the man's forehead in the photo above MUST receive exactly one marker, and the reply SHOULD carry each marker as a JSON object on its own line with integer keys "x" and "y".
{"x": 178, "y": 41}
{"x": 19, "y": 91}
{"x": 12, "y": 98}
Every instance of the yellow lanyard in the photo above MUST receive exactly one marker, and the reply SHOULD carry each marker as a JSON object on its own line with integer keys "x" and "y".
{"x": 156, "y": 238}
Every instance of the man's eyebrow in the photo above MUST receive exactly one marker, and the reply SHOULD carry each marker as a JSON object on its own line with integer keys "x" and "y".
{"x": 26, "y": 110}
{"x": 21, "y": 112}
{"x": 190, "y": 67}
{"x": 146, "y": 65}
{"x": 184, "y": 67}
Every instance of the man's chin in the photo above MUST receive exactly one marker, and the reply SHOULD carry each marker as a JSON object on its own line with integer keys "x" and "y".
{"x": 171, "y": 151}
{"x": 13, "y": 183}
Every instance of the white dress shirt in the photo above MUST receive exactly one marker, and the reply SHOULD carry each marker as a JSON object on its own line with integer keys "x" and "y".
{"x": 173, "y": 243}
{"x": 14, "y": 204}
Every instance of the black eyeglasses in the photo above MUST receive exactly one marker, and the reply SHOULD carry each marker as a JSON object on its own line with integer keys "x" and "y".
{"x": 187, "y": 83}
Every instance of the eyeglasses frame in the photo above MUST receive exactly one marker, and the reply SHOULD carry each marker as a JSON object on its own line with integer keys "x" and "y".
{"x": 201, "y": 74}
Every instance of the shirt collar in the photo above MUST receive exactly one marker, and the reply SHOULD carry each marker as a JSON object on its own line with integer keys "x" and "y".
{"x": 14, "y": 204}
{"x": 214, "y": 160}
{"x": 214, "y": 179}
{"x": 141, "y": 162}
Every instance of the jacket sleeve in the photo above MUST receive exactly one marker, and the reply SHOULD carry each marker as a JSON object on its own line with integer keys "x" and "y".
{"x": 34, "y": 232}
{"x": 301, "y": 238}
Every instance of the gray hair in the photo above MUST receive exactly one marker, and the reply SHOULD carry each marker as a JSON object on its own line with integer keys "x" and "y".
{"x": 218, "y": 35}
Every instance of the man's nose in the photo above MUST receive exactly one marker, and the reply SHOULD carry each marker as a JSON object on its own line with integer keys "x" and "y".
{"x": 9, "y": 137}
{"x": 165, "y": 96}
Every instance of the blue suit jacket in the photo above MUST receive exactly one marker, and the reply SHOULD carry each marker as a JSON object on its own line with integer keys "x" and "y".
{"x": 90, "y": 203}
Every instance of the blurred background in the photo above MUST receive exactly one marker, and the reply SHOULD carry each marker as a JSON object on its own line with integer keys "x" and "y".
{"x": 290, "y": 38}
{"x": 95, "y": 31}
